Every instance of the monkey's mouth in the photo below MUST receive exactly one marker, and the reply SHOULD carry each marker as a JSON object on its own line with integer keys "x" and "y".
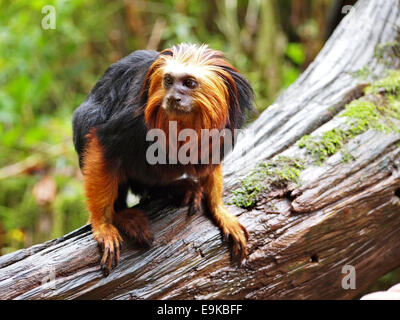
{"x": 177, "y": 108}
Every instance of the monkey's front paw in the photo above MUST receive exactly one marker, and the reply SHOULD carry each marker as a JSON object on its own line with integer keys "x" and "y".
{"x": 134, "y": 224}
{"x": 231, "y": 228}
{"x": 110, "y": 241}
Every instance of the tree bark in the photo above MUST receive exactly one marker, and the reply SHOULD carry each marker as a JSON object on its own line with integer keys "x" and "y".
{"x": 339, "y": 213}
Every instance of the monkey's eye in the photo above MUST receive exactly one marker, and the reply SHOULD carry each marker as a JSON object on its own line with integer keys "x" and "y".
{"x": 168, "y": 81}
{"x": 190, "y": 83}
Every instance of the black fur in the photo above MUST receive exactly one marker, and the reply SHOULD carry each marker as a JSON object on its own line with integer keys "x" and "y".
{"x": 115, "y": 107}
{"x": 111, "y": 97}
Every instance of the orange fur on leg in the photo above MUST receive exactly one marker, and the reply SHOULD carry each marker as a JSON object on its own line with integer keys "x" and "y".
{"x": 228, "y": 223}
{"x": 101, "y": 188}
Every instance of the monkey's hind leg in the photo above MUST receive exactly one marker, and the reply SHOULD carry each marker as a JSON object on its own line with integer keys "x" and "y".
{"x": 133, "y": 222}
{"x": 193, "y": 198}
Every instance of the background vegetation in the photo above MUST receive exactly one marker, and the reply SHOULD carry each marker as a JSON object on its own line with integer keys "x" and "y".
{"x": 46, "y": 74}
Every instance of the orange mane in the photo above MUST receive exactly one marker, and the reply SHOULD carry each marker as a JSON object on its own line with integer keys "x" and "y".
{"x": 211, "y": 98}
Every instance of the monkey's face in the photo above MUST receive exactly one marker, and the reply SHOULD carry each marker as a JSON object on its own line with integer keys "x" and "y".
{"x": 189, "y": 84}
{"x": 179, "y": 88}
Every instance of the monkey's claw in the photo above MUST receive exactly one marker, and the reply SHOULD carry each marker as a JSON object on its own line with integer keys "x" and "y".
{"x": 232, "y": 229}
{"x": 239, "y": 238}
{"x": 110, "y": 241}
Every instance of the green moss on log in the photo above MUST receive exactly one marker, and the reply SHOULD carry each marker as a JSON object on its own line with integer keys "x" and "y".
{"x": 277, "y": 173}
{"x": 389, "y": 85}
{"x": 374, "y": 111}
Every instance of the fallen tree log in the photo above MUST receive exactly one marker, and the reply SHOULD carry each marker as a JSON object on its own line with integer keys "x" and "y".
{"x": 327, "y": 195}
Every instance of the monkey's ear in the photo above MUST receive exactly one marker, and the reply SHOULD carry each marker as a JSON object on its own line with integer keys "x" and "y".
{"x": 241, "y": 97}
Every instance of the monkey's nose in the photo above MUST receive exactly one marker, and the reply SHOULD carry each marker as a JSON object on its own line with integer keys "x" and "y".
{"x": 174, "y": 99}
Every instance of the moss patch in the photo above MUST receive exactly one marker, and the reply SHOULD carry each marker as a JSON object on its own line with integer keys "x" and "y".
{"x": 387, "y": 52}
{"x": 362, "y": 73}
{"x": 374, "y": 111}
{"x": 390, "y": 84}
{"x": 323, "y": 147}
{"x": 277, "y": 173}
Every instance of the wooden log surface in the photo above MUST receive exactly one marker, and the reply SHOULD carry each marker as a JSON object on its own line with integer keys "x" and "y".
{"x": 339, "y": 213}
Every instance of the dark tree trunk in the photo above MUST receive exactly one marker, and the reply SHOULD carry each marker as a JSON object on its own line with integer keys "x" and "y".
{"x": 301, "y": 234}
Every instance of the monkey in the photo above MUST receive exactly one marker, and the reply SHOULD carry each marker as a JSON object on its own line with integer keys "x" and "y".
{"x": 191, "y": 84}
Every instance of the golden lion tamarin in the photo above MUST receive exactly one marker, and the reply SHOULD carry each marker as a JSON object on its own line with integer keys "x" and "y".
{"x": 192, "y": 85}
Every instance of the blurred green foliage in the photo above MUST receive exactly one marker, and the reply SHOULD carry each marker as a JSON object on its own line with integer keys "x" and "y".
{"x": 41, "y": 82}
